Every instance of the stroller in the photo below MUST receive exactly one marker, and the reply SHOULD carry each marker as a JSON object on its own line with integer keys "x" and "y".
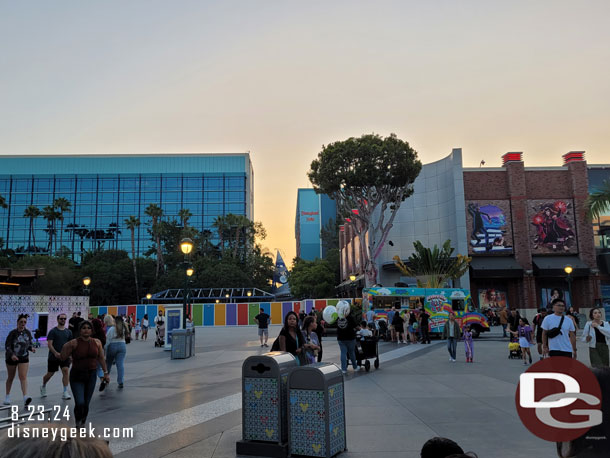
{"x": 367, "y": 349}
{"x": 514, "y": 350}
{"x": 160, "y": 339}
{"x": 383, "y": 329}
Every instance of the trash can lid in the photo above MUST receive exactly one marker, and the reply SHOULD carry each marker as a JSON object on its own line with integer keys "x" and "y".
{"x": 270, "y": 364}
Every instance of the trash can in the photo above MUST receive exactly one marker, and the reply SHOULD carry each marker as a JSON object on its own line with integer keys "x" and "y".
{"x": 316, "y": 411}
{"x": 179, "y": 344}
{"x": 265, "y": 404}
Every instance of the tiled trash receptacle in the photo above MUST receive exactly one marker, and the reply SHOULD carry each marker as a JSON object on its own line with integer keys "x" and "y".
{"x": 179, "y": 344}
{"x": 265, "y": 404}
{"x": 316, "y": 411}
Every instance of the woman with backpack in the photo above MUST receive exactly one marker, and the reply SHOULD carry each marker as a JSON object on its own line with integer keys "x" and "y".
{"x": 291, "y": 339}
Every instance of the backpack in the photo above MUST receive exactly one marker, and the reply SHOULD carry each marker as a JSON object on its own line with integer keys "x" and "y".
{"x": 276, "y": 344}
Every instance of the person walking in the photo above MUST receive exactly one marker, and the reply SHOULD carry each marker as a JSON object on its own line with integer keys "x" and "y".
{"x": 159, "y": 319}
{"x": 116, "y": 350}
{"x": 524, "y": 333}
{"x": 56, "y": 339}
{"x": 145, "y": 326}
{"x": 412, "y": 325}
{"x": 468, "y": 345}
{"x": 503, "y": 321}
{"x": 17, "y": 346}
{"x": 312, "y": 346}
{"x": 424, "y": 326}
{"x": 596, "y": 334}
{"x": 513, "y": 320}
{"x": 86, "y": 352}
{"x": 320, "y": 332}
{"x": 558, "y": 332}
{"x": 74, "y": 323}
{"x": 291, "y": 339}
{"x": 262, "y": 319}
{"x": 391, "y": 314}
{"x": 537, "y": 322}
{"x": 346, "y": 336}
{"x": 399, "y": 327}
{"x": 452, "y": 333}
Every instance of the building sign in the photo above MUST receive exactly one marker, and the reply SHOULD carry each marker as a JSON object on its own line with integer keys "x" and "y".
{"x": 310, "y": 217}
{"x": 489, "y": 227}
{"x": 552, "y": 226}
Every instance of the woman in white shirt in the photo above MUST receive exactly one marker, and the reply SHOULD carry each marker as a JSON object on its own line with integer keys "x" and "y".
{"x": 597, "y": 334}
{"x": 116, "y": 350}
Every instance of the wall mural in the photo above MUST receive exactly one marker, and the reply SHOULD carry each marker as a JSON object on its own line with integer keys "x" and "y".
{"x": 489, "y": 227}
{"x": 493, "y": 298}
{"x": 552, "y": 226}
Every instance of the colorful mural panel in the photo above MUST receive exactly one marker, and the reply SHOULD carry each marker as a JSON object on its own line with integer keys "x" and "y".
{"x": 493, "y": 298}
{"x": 552, "y": 226}
{"x": 489, "y": 226}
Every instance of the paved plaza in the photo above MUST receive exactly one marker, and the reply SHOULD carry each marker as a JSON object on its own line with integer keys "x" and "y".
{"x": 192, "y": 408}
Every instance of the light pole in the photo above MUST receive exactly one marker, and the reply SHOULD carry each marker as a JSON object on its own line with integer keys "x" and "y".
{"x": 148, "y": 297}
{"x": 249, "y": 294}
{"x": 186, "y": 246}
{"x": 86, "y": 283}
{"x": 352, "y": 278}
{"x": 568, "y": 270}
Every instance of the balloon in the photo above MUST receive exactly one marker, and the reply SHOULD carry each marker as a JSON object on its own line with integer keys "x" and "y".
{"x": 330, "y": 314}
{"x": 343, "y": 309}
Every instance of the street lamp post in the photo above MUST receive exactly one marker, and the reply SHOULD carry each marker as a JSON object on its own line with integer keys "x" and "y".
{"x": 568, "y": 270}
{"x": 352, "y": 278}
{"x": 186, "y": 246}
{"x": 86, "y": 283}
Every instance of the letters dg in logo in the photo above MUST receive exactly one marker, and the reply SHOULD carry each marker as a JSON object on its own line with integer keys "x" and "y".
{"x": 559, "y": 399}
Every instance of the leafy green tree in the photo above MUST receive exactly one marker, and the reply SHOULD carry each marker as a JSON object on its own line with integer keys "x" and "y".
{"x": 312, "y": 279}
{"x": 599, "y": 201}
{"x": 111, "y": 277}
{"x": 132, "y": 223}
{"x": 32, "y": 212}
{"x": 63, "y": 206}
{"x": 156, "y": 213}
{"x": 369, "y": 178}
{"x": 60, "y": 277}
{"x": 433, "y": 267}
{"x": 184, "y": 214}
{"x": 329, "y": 234}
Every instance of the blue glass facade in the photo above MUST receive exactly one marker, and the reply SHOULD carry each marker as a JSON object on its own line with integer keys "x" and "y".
{"x": 313, "y": 212}
{"x": 207, "y": 185}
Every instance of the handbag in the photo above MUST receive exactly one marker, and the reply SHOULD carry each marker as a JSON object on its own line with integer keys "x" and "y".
{"x": 127, "y": 338}
{"x": 554, "y": 332}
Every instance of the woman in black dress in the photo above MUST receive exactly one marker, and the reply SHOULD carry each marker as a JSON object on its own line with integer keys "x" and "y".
{"x": 291, "y": 339}
{"x": 399, "y": 327}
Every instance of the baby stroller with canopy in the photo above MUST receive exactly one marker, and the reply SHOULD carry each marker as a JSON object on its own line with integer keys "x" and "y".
{"x": 367, "y": 349}
{"x": 383, "y": 329}
{"x": 160, "y": 337}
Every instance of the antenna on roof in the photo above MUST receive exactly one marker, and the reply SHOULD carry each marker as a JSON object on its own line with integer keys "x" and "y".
{"x": 482, "y": 163}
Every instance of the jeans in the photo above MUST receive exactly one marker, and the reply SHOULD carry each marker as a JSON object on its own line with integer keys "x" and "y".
{"x": 116, "y": 352}
{"x": 83, "y": 386}
{"x": 452, "y": 346}
{"x": 425, "y": 334}
{"x": 504, "y": 330}
{"x": 348, "y": 347}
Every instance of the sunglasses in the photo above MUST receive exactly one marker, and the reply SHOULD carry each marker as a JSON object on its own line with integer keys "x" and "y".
{"x": 61, "y": 319}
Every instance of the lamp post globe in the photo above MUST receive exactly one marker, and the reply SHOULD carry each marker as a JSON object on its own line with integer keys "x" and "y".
{"x": 568, "y": 270}
{"x": 86, "y": 281}
{"x": 186, "y": 245}
{"x": 352, "y": 277}
{"x": 190, "y": 271}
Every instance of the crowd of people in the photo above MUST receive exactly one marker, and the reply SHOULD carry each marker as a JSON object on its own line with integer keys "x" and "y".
{"x": 83, "y": 350}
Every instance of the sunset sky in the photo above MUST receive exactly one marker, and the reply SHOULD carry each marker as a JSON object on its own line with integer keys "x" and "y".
{"x": 280, "y": 79}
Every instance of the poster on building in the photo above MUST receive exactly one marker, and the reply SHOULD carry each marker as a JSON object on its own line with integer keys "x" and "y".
{"x": 550, "y": 294}
{"x": 495, "y": 299}
{"x": 552, "y": 226}
{"x": 489, "y": 227}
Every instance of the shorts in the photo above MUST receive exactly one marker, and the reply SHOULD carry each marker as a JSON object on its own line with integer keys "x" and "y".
{"x": 263, "y": 332}
{"x": 53, "y": 365}
{"x": 523, "y": 342}
{"x": 22, "y": 360}
{"x": 539, "y": 338}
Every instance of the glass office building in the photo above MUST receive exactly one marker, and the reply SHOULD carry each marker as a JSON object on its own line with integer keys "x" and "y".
{"x": 104, "y": 190}
{"x": 314, "y": 211}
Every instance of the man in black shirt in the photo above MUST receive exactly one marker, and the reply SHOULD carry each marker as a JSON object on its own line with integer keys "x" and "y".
{"x": 262, "y": 319}
{"x": 56, "y": 339}
{"x": 423, "y": 326}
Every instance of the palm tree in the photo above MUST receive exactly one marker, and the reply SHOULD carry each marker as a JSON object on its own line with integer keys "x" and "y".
{"x": 63, "y": 205}
{"x": 132, "y": 222}
{"x": 433, "y": 267}
{"x": 32, "y": 212}
{"x": 599, "y": 201}
{"x": 3, "y": 203}
{"x": 156, "y": 212}
{"x": 50, "y": 215}
{"x": 184, "y": 215}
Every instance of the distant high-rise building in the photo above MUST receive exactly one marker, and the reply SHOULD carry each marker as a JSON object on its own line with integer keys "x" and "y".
{"x": 314, "y": 211}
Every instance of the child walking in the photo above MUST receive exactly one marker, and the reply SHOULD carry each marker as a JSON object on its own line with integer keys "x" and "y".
{"x": 524, "y": 332}
{"x": 138, "y": 329}
{"x": 468, "y": 345}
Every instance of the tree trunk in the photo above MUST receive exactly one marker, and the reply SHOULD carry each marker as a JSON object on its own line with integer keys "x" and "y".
{"x": 133, "y": 260}
{"x": 61, "y": 237}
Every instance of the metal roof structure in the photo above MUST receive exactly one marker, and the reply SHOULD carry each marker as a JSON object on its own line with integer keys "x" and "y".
{"x": 210, "y": 295}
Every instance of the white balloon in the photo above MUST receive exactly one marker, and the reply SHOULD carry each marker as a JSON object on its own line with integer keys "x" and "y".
{"x": 343, "y": 309}
{"x": 330, "y": 314}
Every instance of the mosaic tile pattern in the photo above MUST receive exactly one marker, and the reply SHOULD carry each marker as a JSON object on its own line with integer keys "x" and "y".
{"x": 336, "y": 419}
{"x": 11, "y": 306}
{"x": 261, "y": 409}
{"x": 307, "y": 423}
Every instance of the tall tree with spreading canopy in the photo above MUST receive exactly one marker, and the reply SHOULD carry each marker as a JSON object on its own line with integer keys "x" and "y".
{"x": 132, "y": 223}
{"x": 369, "y": 178}
{"x": 184, "y": 214}
{"x": 50, "y": 215}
